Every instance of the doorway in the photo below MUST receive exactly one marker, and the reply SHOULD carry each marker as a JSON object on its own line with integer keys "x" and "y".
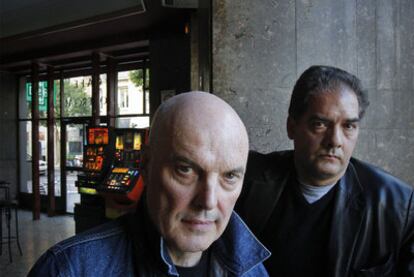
{"x": 72, "y": 143}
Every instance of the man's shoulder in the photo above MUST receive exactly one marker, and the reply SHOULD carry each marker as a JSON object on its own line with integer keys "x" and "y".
{"x": 110, "y": 231}
{"x": 376, "y": 179}
{"x": 101, "y": 249}
{"x": 276, "y": 156}
{"x": 274, "y": 161}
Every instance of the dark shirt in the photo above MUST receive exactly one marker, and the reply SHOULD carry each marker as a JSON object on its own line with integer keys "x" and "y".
{"x": 299, "y": 234}
{"x": 199, "y": 270}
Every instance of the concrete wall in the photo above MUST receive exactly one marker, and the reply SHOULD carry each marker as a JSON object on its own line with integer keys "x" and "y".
{"x": 261, "y": 47}
{"x": 8, "y": 130}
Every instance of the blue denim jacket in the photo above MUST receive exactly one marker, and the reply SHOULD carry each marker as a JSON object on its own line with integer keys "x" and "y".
{"x": 130, "y": 246}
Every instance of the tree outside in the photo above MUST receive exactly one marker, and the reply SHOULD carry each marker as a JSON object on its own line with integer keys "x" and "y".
{"x": 137, "y": 77}
{"x": 77, "y": 100}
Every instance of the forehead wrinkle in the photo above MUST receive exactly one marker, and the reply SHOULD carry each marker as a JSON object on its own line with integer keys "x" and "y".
{"x": 202, "y": 113}
{"x": 207, "y": 145}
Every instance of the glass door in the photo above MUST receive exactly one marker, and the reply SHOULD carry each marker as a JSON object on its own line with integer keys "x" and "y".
{"x": 73, "y": 160}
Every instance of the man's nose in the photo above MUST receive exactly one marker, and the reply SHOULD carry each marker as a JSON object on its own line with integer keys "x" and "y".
{"x": 333, "y": 137}
{"x": 206, "y": 198}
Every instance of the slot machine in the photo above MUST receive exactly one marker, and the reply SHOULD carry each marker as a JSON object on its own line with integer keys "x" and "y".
{"x": 97, "y": 155}
{"x": 96, "y": 160}
{"x": 123, "y": 186}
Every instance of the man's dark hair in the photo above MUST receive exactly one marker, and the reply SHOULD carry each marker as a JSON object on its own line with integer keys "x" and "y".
{"x": 317, "y": 79}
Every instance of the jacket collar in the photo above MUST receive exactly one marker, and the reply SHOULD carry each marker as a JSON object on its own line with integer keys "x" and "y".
{"x": 238, "y": 249}
{"x": 270, "y": 187}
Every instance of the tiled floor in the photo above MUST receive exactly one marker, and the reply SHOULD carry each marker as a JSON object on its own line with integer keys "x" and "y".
{"x": 35, "y": 238}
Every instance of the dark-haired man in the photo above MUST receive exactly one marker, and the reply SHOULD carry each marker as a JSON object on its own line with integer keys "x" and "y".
{"x": 320, "y": 211}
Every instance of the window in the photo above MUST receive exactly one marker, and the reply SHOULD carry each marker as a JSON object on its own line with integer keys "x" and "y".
{"x": 123, "y": 95}
{"x": 78, "y": 95}
{"x": 130, "y": 93}
{"x": 133, "y": 99}
{"x": 75, "y": 147}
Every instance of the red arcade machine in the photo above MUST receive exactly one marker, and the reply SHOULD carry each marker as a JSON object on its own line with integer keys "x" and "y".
{"x": 123, "y": 184}
{"x": 96, "y": 160}
{"x": 97, "y": 156}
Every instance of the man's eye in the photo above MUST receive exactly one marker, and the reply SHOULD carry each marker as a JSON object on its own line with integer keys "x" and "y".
{"x": 350, "y": 126}
{"x": 318, "y": 124}
{"x": 231, "y": 176}
{"x": 183, "y": 169}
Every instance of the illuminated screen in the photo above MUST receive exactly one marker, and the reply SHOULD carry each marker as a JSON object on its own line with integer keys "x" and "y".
{"x": 137, "y": 141}
{"x": 119, "y": 143}
{"x": 98, "y": 136}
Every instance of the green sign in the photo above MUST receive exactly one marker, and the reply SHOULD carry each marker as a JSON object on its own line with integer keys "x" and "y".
{"x": 42, "y": 94}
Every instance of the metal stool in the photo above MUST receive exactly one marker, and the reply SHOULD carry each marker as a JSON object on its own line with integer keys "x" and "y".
{"x": 7, "y": 206}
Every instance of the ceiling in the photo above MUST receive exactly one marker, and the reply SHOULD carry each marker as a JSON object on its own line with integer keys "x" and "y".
{"x": 63, "y": 40}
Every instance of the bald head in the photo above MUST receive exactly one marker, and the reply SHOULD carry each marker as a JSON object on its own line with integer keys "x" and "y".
{"x": 195, "y": 165}
{"x": 195, "y": 111}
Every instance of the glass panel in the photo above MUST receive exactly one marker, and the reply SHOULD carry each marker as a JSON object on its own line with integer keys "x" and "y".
{"x": 57, "y": 98}
{"x": 147, "y": 102}
{"x": 102, "y": 95}
{"x": 147, "y": 78}
{"x": 72, "y": 195}
{"x": 75, "y": 139}
{"x": 43, "y": 147}
{"x": 43, "y": 140}
{"x": 42, "y": 99}
{"x": 57, "y": 158}
{"x": 26, "y": 160}
{"x": 26, "y": 156}
{"x": 78, "y": 94}
{"x": 27, "y": 169}
{"x": 146, "y": 89}
{"x": 42, "y": 157}
{"x": 74, "y": 144}
{"x": 130, "y": 92}
{"x": 132, "y": 122}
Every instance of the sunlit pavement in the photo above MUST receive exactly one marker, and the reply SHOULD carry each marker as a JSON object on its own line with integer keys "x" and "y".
{"x": 72, "y": 191}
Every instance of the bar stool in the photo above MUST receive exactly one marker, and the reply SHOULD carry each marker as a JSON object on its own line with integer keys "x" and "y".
{"x": 6, "y": 207}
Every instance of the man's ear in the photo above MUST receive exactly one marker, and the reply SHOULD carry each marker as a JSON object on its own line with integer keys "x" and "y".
{"x": 290, "y": 127}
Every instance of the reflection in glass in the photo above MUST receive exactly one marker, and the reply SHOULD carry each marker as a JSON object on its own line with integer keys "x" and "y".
{"x": 26, "y": 159}
{"x": 74, "y": 145}
{"x": 132, "y": 122}
{"x": 102, "y": 94}
{"x": 71, "y": 191}
{"x": 78, "y": 95}
{"x": 42, "y": 99}
{"x": 130, "y": 92}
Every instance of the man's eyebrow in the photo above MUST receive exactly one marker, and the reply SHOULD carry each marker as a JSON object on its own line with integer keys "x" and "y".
{"x": 324, "y": 119}
{"x": 353, "y": 120}
{"x": 319, "y": 118}
{"x": 178, "y": 158}
{"x": 238, "y": 170}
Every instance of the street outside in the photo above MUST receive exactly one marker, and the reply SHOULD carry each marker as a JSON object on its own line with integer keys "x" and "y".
{"x": 72, "y": 191}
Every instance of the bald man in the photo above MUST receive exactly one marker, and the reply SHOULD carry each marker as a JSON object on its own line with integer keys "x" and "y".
{"x": 185, "y": 225}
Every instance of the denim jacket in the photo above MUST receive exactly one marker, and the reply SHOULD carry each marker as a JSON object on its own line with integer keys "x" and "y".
{"x": 130, "y": 246}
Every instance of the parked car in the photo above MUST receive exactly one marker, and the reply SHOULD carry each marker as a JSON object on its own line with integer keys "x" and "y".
{"x": 42, "y": 164}
{"x": 42, "y": 167}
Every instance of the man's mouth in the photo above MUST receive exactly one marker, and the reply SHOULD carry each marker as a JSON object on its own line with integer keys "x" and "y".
{"x": 330, "y": 157}
{"x": 198, "y": 224}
